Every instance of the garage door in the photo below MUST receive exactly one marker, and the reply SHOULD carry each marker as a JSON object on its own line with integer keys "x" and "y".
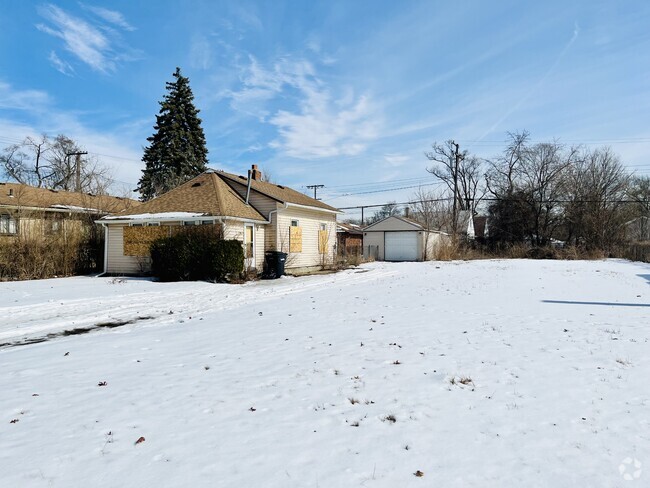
{"x": 401, "y": 246}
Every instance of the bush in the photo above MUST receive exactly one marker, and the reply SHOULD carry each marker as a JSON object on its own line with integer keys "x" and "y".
{"x": 196, "y": 256}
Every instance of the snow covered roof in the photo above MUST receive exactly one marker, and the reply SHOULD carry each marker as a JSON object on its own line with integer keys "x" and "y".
{"x": 157, "y": 216}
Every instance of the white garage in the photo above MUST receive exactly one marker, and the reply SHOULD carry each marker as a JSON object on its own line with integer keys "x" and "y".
{"x": 399, "y": 239}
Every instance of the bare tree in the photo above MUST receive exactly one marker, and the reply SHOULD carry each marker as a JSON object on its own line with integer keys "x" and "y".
{"x": 467, "y": 177}
{"x": 528, "y": 184}
{"x": 432, "y": 209}
{"x": 597, "y": 185}
{"x": 388, "y": 210}
{"x": 46, "y": 163}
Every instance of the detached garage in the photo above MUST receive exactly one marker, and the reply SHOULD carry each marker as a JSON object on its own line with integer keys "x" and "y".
{"x": 399, "y": 239}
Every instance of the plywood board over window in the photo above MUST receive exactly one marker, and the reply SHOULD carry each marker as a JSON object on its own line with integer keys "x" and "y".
{"x": 137, "y": 240}
{"x": 323, "y": 238}
{"x": 295, "y": 239}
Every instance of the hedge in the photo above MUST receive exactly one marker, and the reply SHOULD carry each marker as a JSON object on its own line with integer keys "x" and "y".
{"x": 196, "y": 256}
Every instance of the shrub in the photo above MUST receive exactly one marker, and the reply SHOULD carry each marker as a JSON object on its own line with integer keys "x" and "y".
{"x": 195, "y": 256}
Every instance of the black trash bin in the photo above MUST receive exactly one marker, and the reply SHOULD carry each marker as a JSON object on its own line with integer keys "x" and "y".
{"x": 274, "y": 264}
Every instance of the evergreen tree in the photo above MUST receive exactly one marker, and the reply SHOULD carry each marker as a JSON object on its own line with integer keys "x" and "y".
{"x": 176, "y": 151}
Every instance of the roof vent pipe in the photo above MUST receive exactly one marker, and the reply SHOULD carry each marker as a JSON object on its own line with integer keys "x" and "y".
{"x": 248, "y": 188}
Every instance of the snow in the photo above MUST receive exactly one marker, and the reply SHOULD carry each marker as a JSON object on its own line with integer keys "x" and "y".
{"x": 74, "y": 208}
{"x": 157, "y": 216}
{"x": 294, "y": 382}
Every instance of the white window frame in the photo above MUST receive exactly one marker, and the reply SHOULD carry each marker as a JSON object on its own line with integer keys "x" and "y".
{"x": 8, "y": 225}
{"x": 295, "y": 223}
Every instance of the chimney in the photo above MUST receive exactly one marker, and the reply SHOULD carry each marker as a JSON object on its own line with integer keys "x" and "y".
{"x": 256, "y": 173}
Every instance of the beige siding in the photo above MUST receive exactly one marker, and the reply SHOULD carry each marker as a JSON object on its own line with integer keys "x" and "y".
{"x": 261, "y": 203}
{"x": 234, "y": 230}
{"x": 309, "y": 221}
{"x": 373, "y": 245}
{"x": 117, "y": 262}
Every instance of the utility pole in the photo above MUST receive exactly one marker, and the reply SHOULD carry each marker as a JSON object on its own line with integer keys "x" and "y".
{"x": 315, "y": 187}
{"x": 78, "y": 155}
{"x": 457, "y": 158}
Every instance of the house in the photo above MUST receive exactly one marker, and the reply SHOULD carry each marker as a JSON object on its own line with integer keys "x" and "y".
{"x": 637, "y": 230}
{"x": 466, "y": 225}
{"x": 29, "y": 212}
{"x": 481, "y": 229}
{"x": 262, "y": 215}
{"x": 349, "y": 239}
{"x": 45, "y": 233}
{"x": 400, "y": 239}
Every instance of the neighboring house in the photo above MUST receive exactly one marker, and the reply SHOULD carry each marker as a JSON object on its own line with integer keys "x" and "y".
{"x": 349, "y": 239}
{"x": 466, "y": 225}
{"x": 263, "y": 216}
{"x": 638, "y": 230}
{"x": 30, "y": 212}
{"x": 400, "y": 239}
{"x": 481, "y": 230}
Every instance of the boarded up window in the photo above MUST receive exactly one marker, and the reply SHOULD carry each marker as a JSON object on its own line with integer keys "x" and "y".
{"x": 137, "y": 240}
{"x": 295, "y": 239}
{"x": 323, "y": 238}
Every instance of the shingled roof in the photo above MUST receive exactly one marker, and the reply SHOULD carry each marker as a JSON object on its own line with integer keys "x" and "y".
{"x": 207, "y": 194}
{"x": 278, "y": 192}
{"x": 16, "y": 195}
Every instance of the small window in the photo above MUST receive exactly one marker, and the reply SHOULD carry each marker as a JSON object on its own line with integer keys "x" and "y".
{"x": 8, "y": 224}
{"x": 137, "y": 224}
{"x": 295, "y": 223}
{"x": 207, "y": 222}
{"x": 53, "y": 224}
{"x": 153, "y": 224}
{"x": 190, "y": 222}
{"x": 323, "y": 226}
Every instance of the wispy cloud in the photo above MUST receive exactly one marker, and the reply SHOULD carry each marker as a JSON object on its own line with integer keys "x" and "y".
{"x": 12, "y": 99}
{"x": 322, "y": 125}
{"x": 60, "y": 65}
{"x": 91, "y": 43}
{"x": 200, "y": 53}
{"x": 111, "y": 16}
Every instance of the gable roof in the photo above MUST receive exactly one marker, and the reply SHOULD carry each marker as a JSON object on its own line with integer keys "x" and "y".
{"x": 18, "y": 195}
{"x": 207, "y": 194}
{"x": 384, "y": 224}
{"x": 280, "y": 193}
{"x": 349, "y": 228}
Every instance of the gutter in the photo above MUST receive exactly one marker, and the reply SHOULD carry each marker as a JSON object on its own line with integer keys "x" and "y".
{"x": 310, "y": 207}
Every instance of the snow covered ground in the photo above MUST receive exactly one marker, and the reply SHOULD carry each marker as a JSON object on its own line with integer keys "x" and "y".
{"x": 484, "y": 373}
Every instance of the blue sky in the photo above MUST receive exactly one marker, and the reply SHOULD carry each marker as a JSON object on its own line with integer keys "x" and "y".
{"x": 348, "y": 94}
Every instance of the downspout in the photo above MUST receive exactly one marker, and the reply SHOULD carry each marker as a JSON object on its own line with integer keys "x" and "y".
{"x": 248, "y": 188}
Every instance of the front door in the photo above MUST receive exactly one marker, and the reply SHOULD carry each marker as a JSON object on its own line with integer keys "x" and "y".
{"x": 249, "y": 245}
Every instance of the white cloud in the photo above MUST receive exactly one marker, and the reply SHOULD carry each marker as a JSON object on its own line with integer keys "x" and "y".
{"x": 396, "y": 159}
{"x": 91, "y": 43}
{"x": 112, "y": 16}
{"x": 200, "y": 53}
{"x": 33, "y": 112}
{"x": 60, "y": 65}
{"x": 322, "y": 125}
{"x": 12, "y": 99}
